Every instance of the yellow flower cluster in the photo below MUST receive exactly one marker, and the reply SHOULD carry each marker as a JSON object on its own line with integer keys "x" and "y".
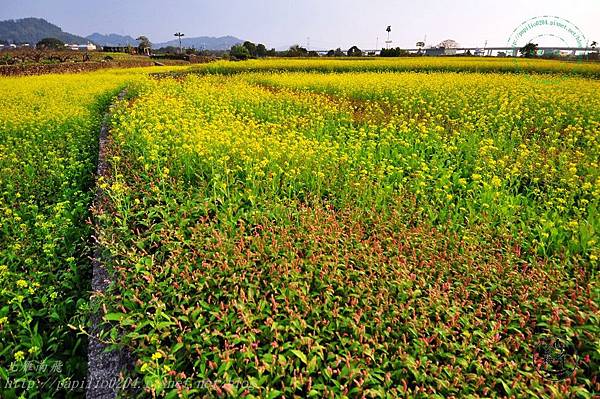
{"x": 48, "y": 146}
{"x": 446, "y": 64}
{"x": 498, "y": 143}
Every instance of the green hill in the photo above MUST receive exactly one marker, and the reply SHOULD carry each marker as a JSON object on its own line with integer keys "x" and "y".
{"x": 32, "y": 30}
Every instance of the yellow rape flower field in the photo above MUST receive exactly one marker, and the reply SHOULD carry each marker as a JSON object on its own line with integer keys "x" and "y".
{"x": 308, "y": 228}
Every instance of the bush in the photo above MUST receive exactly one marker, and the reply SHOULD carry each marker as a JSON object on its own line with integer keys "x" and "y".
{"x": 393, "y": 52}
{"x": 50, "y": 43}
{"x": 239, "y": 53}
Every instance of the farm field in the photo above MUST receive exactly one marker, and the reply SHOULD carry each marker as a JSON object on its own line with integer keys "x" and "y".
{"x": 531, "y": 67}
{"x": 48, "y": 150}
{"x": 299, "y": 228}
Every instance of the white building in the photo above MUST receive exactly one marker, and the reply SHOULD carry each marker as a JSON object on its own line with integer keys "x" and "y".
{"x": 81, "y": 47}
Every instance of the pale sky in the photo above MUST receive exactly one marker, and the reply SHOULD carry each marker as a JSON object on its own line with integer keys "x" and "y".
{"x": 328, "y": 24}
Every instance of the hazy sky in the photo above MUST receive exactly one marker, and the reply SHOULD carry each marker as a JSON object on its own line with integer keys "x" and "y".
{"x": 329, "y": 24}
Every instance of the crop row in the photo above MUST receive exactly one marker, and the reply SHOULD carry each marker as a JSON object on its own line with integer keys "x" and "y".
{"x": 48, "y": 149}
{"x": 537, "y": 69}
{"x": 373, "y": 231}
{"x": 359, "y": 234}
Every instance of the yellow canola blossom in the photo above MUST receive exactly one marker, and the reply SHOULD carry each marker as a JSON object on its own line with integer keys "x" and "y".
{"x": 499, "y": 143}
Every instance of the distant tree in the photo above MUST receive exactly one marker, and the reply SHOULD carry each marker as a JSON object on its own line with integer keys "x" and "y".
{"x": 239, "y": 52}
{"x": 297, "y": 51}
{"x": 144, "y": 45}
{"x": 167, "y": 50}
{"x": 388, "y": 52}
{"x": 313, "y": 53}
{"x": 261, "y": 50}
{"x": 393, "y": 52}
{"x": 354, "y": 51}
{"x": 50, "y": 43}
{"x": 338, "y": 52}
{"x": 529, "y": 50}
{"x": 468, "y": 53}
{"x": 448, "y": 43}
{"x": 330, "y": 53}
{"x": 251, "y": 47}
{"x": 595, "y": 54}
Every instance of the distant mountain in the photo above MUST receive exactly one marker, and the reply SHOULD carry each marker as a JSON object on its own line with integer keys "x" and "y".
{"x": 203, "y": 42}
{"x": 32, "y": 30}
{"x": 112, "y": 39}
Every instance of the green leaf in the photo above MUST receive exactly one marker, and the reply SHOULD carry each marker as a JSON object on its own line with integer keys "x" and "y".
{"x": 114, "y": 316}
{"x": 300, "y": 355}
{"x": 274, "y": 394}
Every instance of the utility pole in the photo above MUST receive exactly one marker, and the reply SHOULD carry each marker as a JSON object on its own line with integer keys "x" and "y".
{"x": 179, "y": 35}
{"x": 308, "y": 43}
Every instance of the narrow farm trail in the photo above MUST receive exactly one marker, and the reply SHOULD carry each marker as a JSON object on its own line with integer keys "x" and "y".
{"x": 103, "y": 366}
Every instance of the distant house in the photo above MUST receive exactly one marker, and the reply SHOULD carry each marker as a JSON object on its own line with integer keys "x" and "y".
{"x": 439, "y": 51}
{"x": 434, "y": 51}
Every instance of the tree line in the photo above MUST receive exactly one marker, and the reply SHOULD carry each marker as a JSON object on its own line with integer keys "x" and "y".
{"x": 249, "y": 50}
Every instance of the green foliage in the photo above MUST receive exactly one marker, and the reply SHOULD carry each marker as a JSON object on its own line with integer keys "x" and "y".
{"x": 48, "y": 150}
{"x": 335, "y": 53}
{"x": 251, "y": 47}
{"x": 50, "y": 43}
{"x": 529, "y": 50}
{"x": 393, "y": 52}
{"x": 46, "y": 162}
{"x": 239, "y": 52}
{"x": 261, "y": 50}
{"x": 358, "y": 234}
{"x": 373, "y": 232}
{"x": 297, "y": 51}
{"x": 144, "y": 44}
